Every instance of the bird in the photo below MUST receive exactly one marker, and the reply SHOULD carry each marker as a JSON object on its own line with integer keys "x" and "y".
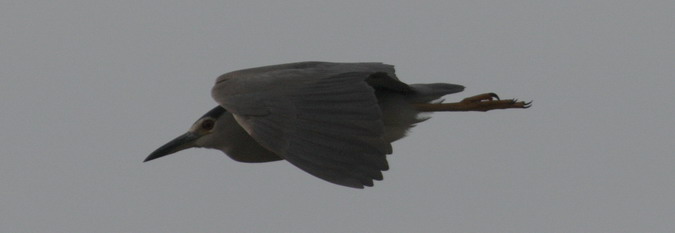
{"x": 335, "y": 121}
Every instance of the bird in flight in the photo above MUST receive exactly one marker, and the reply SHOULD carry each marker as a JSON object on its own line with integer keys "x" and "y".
{"x": 335, "y": 121}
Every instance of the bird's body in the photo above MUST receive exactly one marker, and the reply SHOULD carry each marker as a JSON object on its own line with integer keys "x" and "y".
{"x": 335, "y": 121}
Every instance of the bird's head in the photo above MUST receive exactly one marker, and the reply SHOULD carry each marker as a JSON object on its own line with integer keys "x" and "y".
{"x": 203, "y": 133}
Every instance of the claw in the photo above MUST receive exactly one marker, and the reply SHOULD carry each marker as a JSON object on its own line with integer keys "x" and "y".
{"x": 482, "y": 98}
{"x": 493, "y": 95}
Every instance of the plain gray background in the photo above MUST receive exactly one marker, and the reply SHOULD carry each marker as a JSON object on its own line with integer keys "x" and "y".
{"x": 89, "y": 88}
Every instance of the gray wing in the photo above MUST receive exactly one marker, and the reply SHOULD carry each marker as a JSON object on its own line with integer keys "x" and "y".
{"x": 321, "y": 117}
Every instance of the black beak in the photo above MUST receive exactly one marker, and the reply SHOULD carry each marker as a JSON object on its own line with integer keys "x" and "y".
{"x": 182, "y": 142}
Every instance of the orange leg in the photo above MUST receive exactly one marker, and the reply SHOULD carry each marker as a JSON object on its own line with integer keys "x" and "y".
{"x": 483, "y": 102}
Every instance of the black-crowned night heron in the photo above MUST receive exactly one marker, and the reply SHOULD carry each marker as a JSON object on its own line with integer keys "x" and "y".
{"x": 333, "y": 120}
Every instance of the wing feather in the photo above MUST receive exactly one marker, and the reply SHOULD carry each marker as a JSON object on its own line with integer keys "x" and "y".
{"x": 323, "y": 117}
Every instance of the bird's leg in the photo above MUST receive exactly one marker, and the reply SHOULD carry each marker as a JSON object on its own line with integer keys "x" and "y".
{"x": 482, "y": 102}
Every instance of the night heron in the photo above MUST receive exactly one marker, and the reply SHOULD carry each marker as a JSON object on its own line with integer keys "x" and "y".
{"x": 335, "y": 121}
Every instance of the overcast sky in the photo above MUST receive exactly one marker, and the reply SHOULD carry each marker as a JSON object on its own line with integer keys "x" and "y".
{"x": 89, "y": 88}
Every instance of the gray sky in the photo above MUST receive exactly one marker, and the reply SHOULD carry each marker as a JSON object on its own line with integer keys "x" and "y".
{"x": 89, "y": 88}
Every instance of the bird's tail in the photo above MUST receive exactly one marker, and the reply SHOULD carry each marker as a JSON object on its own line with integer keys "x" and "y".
{"x": 425, "y": 93}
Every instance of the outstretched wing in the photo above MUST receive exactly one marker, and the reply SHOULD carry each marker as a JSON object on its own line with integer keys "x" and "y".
{"x": 322, "y": 117}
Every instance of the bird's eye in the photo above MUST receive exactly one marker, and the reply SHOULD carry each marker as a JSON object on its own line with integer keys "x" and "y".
{"x": 207, "y": 124}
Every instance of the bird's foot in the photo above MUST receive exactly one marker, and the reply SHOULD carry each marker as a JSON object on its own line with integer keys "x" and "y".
{"x": 483, "y": 102}
{"x": 490, "y": 101}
